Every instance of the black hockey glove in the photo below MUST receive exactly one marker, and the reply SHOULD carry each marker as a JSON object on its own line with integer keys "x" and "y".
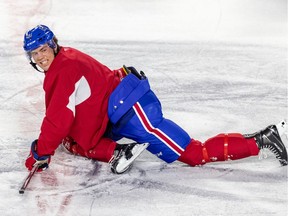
{"x": 132, "y": 70}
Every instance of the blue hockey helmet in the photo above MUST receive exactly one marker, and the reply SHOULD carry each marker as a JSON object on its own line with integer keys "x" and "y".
{"x": 37, "y": 37}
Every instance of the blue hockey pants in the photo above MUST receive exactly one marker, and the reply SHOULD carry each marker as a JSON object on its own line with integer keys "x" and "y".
{"x": 144, "y": 122}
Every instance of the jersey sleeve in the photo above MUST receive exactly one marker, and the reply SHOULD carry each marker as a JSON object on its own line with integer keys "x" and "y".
{"x": 60, "y": 106}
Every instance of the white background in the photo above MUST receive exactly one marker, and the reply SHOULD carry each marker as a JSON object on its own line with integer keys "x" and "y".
{"x": 217, "y": 66}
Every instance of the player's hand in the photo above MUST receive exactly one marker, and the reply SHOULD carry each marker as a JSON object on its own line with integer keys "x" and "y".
{"x": 35, "y": 160}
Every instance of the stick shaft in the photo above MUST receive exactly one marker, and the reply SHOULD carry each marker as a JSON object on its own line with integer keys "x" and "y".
{"x": 27, "y": 179}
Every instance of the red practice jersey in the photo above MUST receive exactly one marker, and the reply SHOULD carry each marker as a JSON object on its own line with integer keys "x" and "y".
{"x": 77, "y": 89}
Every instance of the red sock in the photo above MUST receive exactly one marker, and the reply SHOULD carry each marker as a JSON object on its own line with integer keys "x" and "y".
{"x": 103, "y": 151}
{"x": 219, "y": 148}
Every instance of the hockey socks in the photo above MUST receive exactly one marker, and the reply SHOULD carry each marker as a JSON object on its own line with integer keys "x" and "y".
{"x": 222, "y": 147}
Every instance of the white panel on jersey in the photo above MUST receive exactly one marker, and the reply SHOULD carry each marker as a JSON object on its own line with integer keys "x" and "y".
{"x": 81, "y": 93}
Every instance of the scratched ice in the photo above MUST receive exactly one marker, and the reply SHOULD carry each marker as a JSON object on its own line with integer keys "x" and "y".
{"x": 217, "y": 66}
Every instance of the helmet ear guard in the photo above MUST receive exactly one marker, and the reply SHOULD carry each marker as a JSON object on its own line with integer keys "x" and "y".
{"x": 52, "y": 44}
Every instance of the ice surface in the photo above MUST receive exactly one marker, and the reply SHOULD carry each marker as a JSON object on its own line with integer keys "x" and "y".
{"x": 215, "y": 69}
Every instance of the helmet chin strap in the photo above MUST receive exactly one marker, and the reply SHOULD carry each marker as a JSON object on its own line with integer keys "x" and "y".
{"x": 34, "y": 65}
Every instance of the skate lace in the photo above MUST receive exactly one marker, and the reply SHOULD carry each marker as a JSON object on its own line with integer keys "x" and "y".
{"x": 262, "y": 154}
{"x": 267, "y": 146}
{"x": 126, "y": 151}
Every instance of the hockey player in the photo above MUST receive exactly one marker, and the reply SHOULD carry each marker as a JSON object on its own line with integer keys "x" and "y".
{"x": 89, "y": 107}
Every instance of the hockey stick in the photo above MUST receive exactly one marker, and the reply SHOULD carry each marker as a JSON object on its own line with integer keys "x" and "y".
{"x": 28, "y": 178}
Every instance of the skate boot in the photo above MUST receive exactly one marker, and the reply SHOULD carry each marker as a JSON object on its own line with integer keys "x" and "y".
{"x": 124, "y": 156}
{"x": 270, "y": 138}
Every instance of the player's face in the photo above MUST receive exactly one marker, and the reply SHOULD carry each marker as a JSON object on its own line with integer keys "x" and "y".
{"x": 43, "y": 56}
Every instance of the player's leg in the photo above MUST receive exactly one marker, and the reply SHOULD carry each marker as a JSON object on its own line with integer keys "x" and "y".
{"x": 236, "y": 146}
{"x": 102, "y": 151}
{"x": 219, "y": 148}
{"x": 145, "y": 123}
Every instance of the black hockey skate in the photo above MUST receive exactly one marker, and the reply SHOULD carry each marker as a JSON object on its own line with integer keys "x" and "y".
{"x": 125, "y": 155}
{"x": 270, "y": 138}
